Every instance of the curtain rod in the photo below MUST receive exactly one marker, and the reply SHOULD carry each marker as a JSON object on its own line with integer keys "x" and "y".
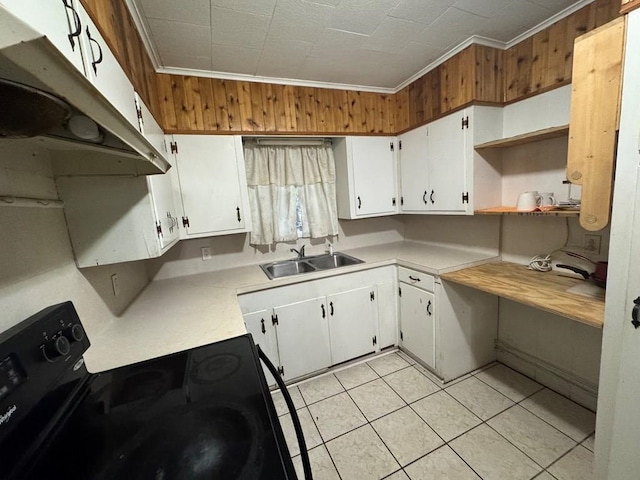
{"x": 290, "y": 141}
{"x": 11, "y": 201}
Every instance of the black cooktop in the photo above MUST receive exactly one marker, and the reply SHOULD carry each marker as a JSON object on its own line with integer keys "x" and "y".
{"x": 205, "y": 413}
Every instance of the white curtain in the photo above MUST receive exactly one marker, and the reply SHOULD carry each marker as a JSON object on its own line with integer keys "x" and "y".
{"x": 292, "y": 192}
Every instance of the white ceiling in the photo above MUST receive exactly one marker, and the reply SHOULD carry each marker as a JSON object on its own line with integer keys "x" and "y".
{"x": 374, "y": 43}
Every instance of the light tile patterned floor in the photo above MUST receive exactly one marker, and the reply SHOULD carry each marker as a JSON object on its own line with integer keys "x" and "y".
{"x": 390, "y": 419}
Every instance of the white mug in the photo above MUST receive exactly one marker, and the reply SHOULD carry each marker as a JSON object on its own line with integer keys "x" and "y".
{"x": 528, "y": 201}
{"x": 547, "y": 200}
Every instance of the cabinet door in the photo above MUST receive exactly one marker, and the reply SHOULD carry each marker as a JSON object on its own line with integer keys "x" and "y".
{"x": 413, "y": 170}
{"x": 166, "y": 214}
{"x": 417, "y": 323}
{"x": 303, "y": 337}
{"x": 446, "y": 163}
{"x": 261, "y": 328}
{"x": 210, "y": 171}
{"x": 105, "y": 72}
{"x": 352, "y": 320}
{"x": 58, "y": 20}
{"x": 374, "y": 175}
{"x": 150, "y": 128}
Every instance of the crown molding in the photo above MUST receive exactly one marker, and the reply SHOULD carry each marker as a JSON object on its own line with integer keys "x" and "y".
{"x": 278, "y": 81}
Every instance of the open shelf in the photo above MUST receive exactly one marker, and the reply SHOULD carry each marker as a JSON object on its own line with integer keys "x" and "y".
{"x": 513, "y": 211}
{"x": 526, "y": 138}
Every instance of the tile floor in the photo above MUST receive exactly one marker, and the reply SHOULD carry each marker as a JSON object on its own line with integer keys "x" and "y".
{"x": 390, "y": 418}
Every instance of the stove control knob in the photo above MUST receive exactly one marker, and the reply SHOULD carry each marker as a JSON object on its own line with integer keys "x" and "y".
{"x": 58, "y": 347}
{"x": 74, "y": 333}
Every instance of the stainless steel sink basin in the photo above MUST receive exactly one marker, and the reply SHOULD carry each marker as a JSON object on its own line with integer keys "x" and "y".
{"x": 325, "y": 262}
{"x": 285, "y": 268}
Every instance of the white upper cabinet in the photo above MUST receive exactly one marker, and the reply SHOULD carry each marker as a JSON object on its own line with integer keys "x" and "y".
{"x": 58, "y": 20}
{"x": 105, "y": 72}
{"x": 441, "y": 173}
{"x": 413, "y": 170}
{"x": 366, "y": 180}
{"x": 213, "y": 184}
{"x": 149, "y": 127}
{"x": 119, "y": 219}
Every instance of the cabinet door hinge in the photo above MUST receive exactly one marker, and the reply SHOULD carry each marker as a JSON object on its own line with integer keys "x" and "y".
{"x": 393, "y": 201}
{"x": 372, "y": 295}
{"x": 174, "y": 147}
{"x": 399, "y": 144}
{"x": 159, "y": 229}
{"x": 281, "y": 371}
{"x": 374, "y": 340}
{"x": 391, "y": 146}
{"x": 139, "y": 114}
{"x": 401, "y": 336}
{"x": 185, "y": 222}
{"x": 465, "y": 197}
{"x": 274, "y": 319}
{"x": 401, "y": 201}
{"x": 465, "y": 122}
{"x": 399, "y": 291}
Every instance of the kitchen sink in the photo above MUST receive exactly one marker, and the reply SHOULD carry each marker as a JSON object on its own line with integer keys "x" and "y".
{"x": 285, "y": 268}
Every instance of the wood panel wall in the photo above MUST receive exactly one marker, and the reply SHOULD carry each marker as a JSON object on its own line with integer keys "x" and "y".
{"x": 206, "y": 105}
{"x": 186, "y": 104}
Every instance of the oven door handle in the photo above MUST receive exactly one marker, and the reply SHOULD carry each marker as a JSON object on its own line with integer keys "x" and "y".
{"x": 304, "y": 455}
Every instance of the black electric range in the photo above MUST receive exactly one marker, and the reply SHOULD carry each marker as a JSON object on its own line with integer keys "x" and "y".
{"x": 205, "y": 413}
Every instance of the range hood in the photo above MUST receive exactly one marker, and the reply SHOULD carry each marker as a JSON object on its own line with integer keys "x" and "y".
{"x": 118, "y": 149}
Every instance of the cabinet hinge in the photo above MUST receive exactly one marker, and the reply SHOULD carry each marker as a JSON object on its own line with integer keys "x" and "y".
{"x": 374, "y": 340}
{"x": 159, "y": 229}
{"x": 465, "y": 122}
{"x": 274, "y": 319}
{"x": 399, "y": 291}
{"x": 401, "y": 336}
{"x": 174, "y": 147}
{"x": 399, "y": 144}
{"x": 391, "y": 146}
{"x": 465, "y": 197}
{"x": 372, "y": 296}
{"x": 393, "y": 201}
{"x": 401, "y": 201}
{"x": 281, "y": 371}
{"x": 185, "y": 222}
{"x": 139, "y": 114}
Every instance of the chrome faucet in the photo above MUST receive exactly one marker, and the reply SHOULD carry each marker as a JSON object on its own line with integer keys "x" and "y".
{"x": 299, "y": 252}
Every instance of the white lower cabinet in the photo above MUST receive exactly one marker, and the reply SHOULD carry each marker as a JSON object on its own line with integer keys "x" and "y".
{"x": 303, "y": 337}
{"x": 449, "y": 328}
{"x": 417, "y": 323}
{"x": 324, "y": 322}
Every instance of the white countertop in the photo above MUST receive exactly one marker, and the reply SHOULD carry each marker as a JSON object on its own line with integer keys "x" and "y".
{"x": 185, "y": 312}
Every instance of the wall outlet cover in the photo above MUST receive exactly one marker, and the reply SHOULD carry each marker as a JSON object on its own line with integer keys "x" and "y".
{"x": 206, "y": 253}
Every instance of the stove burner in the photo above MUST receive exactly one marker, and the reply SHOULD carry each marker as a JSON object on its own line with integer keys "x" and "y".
{"x": 214, "y": 368}
{"x": 205, "y": 442}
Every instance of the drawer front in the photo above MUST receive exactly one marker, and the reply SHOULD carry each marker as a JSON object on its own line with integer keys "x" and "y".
{"x": 421, "y": 280}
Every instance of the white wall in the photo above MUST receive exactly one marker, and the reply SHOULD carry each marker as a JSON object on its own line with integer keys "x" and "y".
{"x": 234, "y": 250}
{"x": 36, "y": 259}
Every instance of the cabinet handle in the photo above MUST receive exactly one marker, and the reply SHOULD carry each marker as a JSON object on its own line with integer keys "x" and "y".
{"x": 359, "y": 203}
{"x": 431, "y": 197}
{"x": 424, "y": 197}
{"x": 76, "y": 24}
{"x": 238, "y": 214}
{"x": 94, "y": 61}
{"x": 331, "y": 306}
{"x": 414, "y": 279}
{"x": 324, "y": 314}
{"x": 264, "y": 330}
{"x": 429, "y": 308}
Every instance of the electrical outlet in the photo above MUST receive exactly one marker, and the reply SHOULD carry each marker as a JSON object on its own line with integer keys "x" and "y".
{"x": 206, "y": 253}
{"x": 591, "y": 243}
{"x": 115, "y": 284}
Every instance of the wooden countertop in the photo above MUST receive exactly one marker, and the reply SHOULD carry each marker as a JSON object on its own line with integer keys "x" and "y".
{"x": 544, "y": 290}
